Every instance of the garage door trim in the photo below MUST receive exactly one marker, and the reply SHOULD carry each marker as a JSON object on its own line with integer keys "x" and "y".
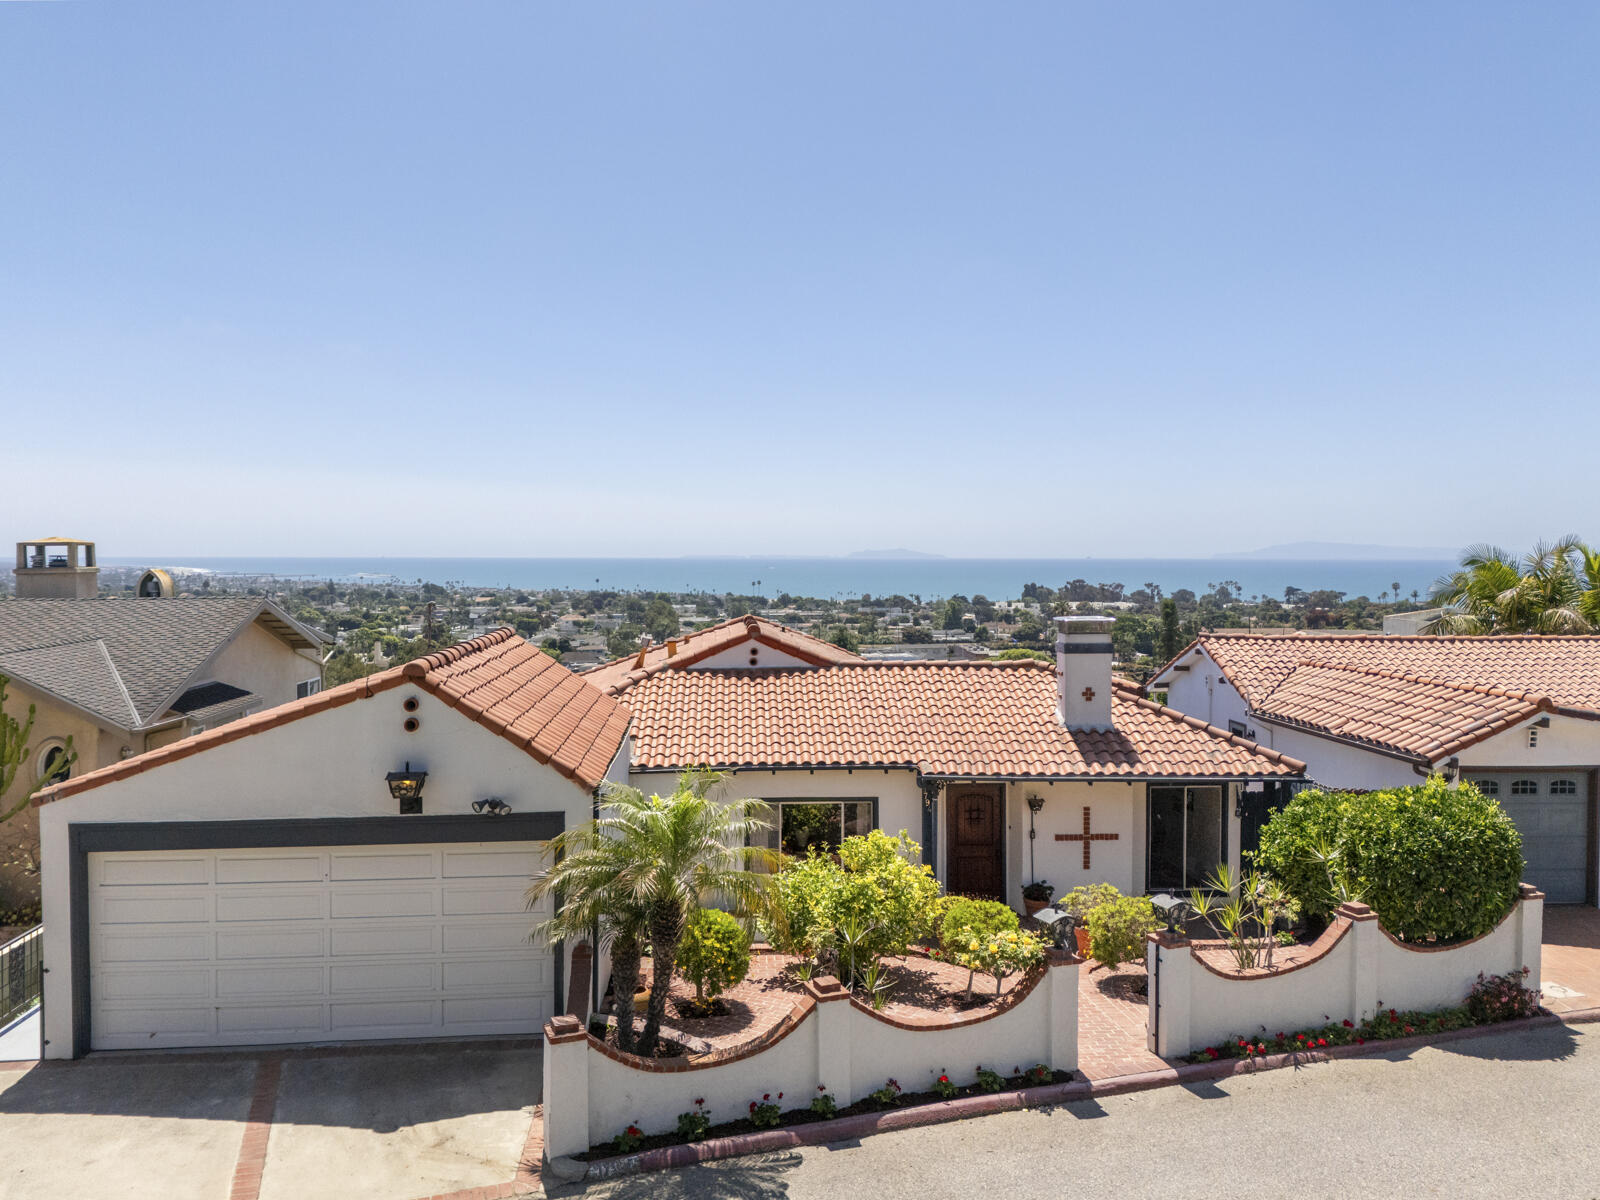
{"x": 90, "y": 838}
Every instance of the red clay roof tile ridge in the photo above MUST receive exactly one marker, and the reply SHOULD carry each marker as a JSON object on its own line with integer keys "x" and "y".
{"x": 1537, "y": 699}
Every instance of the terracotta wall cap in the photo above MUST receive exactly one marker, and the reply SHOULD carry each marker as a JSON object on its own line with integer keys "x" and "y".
{"x": 1168, "y": 940}
{"x": 1527, "y": 891}
{"x": 1354, "y": 910}
{"x": 563, "y": 1029}
{"x": 823, "y": 988}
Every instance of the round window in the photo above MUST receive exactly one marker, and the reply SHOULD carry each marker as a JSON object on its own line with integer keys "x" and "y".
{"x": 53, "y": 762}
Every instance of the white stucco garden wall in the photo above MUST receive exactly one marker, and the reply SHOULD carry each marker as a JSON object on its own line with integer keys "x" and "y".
{"x": 328, "y": 764}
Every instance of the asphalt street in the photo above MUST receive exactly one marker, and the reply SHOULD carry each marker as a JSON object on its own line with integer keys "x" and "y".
{"x": 1507, "y": 1115}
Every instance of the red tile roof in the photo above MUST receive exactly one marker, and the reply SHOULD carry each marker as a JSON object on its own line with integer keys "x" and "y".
{"x": 619, "y": 675}
{"x": 1566, "y": 669}
{"x": 1406, "y": 713}
{"x": 944, "y": 718}
{"x": 498, "y": 680}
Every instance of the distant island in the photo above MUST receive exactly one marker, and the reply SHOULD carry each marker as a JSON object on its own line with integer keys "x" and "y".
{"x": 1348, "y": 552}
{"x": 899, "y": 552}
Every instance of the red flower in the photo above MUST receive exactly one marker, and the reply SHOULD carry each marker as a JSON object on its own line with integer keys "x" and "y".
{"x": 1322, "y": 1041}
{"x": 1349, "y": 1024}
{"x": 822, "y": 1087}
{"x": 700, "y": 1101}
{"x": 780, "y": 1095}
{"x": 1241, "y": 1042}
{"x": 1409, "y": 1029}
{"x": 944, "y": 1079}
{"x": 1361, "y": 1041}
{"x": 1299, "y": 1037}
{"x": 766, "y": 1095}
{"x": 1392, "y": 1013}
{"x": 752, "y": 1106}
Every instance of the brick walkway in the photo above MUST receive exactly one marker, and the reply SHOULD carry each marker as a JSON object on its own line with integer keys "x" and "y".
{"x": 1571, "y": 958}
{"x": 1111, "y": 1023}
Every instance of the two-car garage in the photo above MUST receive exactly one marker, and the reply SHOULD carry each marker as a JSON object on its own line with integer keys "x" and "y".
{"x": 254, "y": 945}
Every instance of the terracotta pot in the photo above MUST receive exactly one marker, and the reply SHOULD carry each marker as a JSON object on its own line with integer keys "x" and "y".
{"x": 1082, "y": 935}
{"x": 641, "y": 1000}
{"x": 1033, "y": 906}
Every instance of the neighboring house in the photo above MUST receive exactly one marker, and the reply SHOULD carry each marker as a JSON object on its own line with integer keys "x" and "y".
{"x": 260, "y": 883}
{"x": 956, "y": 753}
{"x": 270, "y": 881}
{"x": 124, "y": 675}
{"x": 1518, "y": 715}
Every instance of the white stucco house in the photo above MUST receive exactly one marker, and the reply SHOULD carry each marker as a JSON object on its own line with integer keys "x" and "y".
{"x": 1518, "y": 715}
{"x": 262, "y": 883}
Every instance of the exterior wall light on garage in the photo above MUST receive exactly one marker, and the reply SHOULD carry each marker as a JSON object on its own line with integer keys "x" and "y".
{"x": 406, "y": 787}
{"x": 492, "y": 807}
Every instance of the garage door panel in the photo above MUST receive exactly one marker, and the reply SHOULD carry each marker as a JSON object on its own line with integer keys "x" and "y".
{"x": 132, "y": 1028}
{"x": 313, "y": 944}
{"x": 309, "y": 868}
{"x": 473, "y": 974}
{"x": 415, "y": 865}
{"x": 408, "y": 940}
{"x": 153, "y": 947}
{"x": 383, "y": 977}
{"x": 388, "y": 1016}
{"x": 153, "y": 910}
{"x": 475, "y": 864}
{"x": 254, "y": 982}
{"x": 156, "y": 985}
{"x": 508, "y": 936}
{"x": 484, "y": 901}
{"x": 118, "y": 871}
{"x": 272, "y": 1022}
{"x": 290, "y": 941}
{"x": 1554, "y": 825}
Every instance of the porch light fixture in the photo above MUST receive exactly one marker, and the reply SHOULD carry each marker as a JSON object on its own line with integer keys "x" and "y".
{"x": 406, "y": 787}
{"x": 1035, "y": 803}
{"x": 492, "y": 807}
{"x": 1171, "y": 909}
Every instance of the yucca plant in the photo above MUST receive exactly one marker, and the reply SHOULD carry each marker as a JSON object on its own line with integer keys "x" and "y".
{"x": 1243, "y": 913}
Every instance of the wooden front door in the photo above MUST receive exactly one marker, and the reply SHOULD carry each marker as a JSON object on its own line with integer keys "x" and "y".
{"x": 975, "y": 826}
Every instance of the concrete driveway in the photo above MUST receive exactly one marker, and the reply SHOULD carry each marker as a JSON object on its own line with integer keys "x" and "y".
{"x": 345, "y": 1123}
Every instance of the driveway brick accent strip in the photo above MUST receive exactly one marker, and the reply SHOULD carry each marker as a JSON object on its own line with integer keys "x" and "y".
{"x": 257, "y": 1130}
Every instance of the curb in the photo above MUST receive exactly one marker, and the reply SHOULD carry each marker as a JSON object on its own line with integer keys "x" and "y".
{"x": 864, "y": 1124}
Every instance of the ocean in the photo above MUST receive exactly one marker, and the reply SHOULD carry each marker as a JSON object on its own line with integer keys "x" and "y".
{"x": 834, "y": 578}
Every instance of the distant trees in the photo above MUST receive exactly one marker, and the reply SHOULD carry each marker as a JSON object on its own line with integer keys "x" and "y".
{"x": 955, "y": 611}
{"x": 845, "y": 638}
{"x": 1554, "y": 589}
{"x": 1171, "y": 631}
{"x": 916, "y": 634}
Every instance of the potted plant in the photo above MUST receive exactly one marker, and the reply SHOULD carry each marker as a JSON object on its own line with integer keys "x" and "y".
{"x": 1036, "y": 895}
{"x": 1079, "y": 903}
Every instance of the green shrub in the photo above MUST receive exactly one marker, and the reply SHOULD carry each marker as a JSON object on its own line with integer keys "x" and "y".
{"x": 1118, "y": 928}
{"x": 714, "y": 953}
{"x": 878, "y": 887}
{"x": 1290, "y": 842}
{"x": 965, "y": 919}
{"x": 1081, "y": 901}
{"x": 1432, "y": 860}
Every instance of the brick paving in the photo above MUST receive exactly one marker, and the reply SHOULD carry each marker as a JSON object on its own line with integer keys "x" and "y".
{"x": 1111, "y": 1023}
{"x": 1571, "y": 958}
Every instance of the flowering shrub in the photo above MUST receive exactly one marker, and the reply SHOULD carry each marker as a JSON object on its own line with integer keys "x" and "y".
{"x": 1502, "y": 998}
{"x": 943, "y": 1086}
{"x": 692, "y": 1125}
{"x": 628, "y": 1140}
{"x": 999, "y": 954}
{"x": 823, "y": 1103}
{"x": 887, "y": 1094}
{"x": 965, "y": 918}
{"x": 1036, "y": 1075}
{"x": 990, "y": 1080}
{"x": 765, "y": 1111}
{"x": 714, "y": 953}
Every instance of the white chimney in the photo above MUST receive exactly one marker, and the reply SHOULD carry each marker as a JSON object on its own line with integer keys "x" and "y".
{"x": 1083, "y": 672}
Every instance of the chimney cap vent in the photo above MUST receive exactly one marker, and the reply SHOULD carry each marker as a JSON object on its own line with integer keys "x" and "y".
{"x": 1085, "y": 624}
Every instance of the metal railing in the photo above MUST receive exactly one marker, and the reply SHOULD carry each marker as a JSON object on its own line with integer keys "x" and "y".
{"x": 20, "y": 959}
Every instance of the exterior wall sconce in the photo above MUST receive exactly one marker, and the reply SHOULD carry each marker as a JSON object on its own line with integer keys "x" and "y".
{"x": 1035, "y": 804}
{"x": 492, "y": 807}
{"x": 406, "y": 787}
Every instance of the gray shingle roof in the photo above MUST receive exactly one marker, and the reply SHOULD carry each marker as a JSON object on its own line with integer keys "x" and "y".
{"x": 207, "y": 700}
{"x": 123, "y": 659}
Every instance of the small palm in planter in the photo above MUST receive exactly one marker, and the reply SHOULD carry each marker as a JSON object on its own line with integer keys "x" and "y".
{"x": 1036, "y": 895}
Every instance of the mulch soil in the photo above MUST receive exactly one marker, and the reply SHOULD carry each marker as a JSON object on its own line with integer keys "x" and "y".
{"x": 804, "y": 1116}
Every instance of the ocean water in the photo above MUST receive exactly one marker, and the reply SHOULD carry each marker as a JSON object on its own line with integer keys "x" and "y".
{"x": 834, "y": 578}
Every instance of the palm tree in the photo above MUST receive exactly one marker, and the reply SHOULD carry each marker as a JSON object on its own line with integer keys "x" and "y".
{"x": 644, "y": 867}
{"x": 1545, "y": 593}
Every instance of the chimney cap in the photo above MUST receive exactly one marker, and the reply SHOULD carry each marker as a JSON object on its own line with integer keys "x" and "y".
{"x": 1074, "y": 623}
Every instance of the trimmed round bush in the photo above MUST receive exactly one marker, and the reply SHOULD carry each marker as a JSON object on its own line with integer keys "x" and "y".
{"x": 1118, "y": 929}
{"x": 1433, "y": 861}
{"x": 714, "y": 954}
{"x": 965, "y": 919}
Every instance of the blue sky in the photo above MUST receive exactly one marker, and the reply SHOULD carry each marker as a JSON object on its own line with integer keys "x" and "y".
{"x": 1044, "y": 279}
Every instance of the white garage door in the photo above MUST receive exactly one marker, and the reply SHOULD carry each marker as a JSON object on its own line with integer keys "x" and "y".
{"x": 258, "y": 946}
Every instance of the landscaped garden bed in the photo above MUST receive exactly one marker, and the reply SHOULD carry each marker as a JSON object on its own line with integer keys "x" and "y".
{"x": 767, "y": 1112}
{"x": 1492, "y": 1000}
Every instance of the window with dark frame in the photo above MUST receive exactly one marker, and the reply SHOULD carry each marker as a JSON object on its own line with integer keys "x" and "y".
{"x": 1563, "y": 787}
{"x": 1524, "y": 787}
{"x": 802, "y": 825}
